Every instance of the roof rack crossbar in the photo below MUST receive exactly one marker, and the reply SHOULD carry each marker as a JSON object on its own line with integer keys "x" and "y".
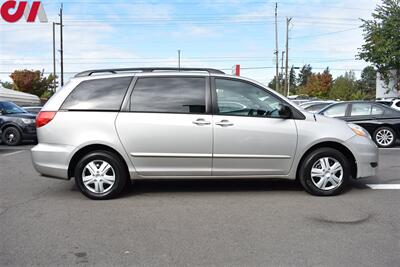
{"x": 115, "y": 71}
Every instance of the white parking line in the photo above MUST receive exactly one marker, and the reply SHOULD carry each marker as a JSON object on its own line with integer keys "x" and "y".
{"x": 390, "y": 148}
{"x": 12, "y": 153}
{"x": 384, "y": 186}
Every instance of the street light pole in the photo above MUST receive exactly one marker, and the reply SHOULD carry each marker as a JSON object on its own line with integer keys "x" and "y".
{"x": 287, "y": 83}
{"x": 179, "y": 59}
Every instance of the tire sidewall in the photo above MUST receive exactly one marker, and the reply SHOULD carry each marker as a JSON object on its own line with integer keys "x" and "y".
{"x": 389, "y": 129}
{"x": 305, "y": 173}
{"x": 120, "y": 175}
{"x": 16, "y": 131}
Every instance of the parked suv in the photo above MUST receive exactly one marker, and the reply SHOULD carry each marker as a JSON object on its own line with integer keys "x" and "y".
{"x": 16, "y": 124}
{"x": 158, "y": 123}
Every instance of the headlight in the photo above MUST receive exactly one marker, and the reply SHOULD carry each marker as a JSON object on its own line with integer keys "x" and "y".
{"x": 358, "y": 130}
{"x": 28, "y": 121}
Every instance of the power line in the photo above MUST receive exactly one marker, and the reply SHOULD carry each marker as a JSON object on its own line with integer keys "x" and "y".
{"x": 190, "y": 3}
{"x": 322, "y": 34}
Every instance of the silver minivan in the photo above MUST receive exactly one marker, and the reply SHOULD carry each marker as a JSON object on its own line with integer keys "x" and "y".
{"x": 107, "y": 127}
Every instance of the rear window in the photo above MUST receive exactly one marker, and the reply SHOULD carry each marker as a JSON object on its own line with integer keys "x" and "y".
{"x": 101, "y": 95}
{"x": 169, "y": 95}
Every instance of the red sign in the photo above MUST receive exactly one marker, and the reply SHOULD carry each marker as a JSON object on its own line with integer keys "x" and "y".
{"x": 12, "y": 11}
{"x": 236, "y": 70}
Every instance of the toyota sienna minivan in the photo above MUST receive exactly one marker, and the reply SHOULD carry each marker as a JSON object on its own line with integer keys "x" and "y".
{"x": 107, "y": 127}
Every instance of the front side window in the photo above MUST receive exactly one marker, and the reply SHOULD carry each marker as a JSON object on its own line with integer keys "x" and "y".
{"x": 169, "y": 95}
{"x": 238, "y": 98}
{"x": 361, "y": 109}
{"x": 336, "y": 111}
{"x": 100, "y": 94}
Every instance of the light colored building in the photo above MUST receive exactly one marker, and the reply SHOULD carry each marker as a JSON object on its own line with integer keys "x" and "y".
{"x": 19, "y": 98}
{"x": 385, "y": 91}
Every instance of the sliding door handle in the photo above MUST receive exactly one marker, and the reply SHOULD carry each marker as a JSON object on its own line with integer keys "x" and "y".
{"x": 224, "y": 123}
{"x": 201, "y": 122}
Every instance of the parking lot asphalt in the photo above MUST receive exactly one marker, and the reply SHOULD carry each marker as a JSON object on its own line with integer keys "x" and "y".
{"x": 45, "y": 222}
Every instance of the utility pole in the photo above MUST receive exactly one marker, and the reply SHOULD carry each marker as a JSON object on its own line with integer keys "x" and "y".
{"x": 54, "y": 55}
{"x": 62, "y": 45}
{"x": 179, "y": 59}
{"x": 282, "y": 68}
{"x": 276, "y": 49}
{"x": 287, "y": 83}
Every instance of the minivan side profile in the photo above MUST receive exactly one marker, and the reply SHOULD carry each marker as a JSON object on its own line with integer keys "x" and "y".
{"x": 106, "y": 127}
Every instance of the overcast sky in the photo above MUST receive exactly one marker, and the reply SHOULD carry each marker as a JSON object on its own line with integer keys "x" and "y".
{"x": 210, "y": 33}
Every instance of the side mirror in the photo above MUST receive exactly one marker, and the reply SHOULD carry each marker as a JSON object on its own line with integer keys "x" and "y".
{"x": 284, "y": 111}
{"x": 1, "y": 112}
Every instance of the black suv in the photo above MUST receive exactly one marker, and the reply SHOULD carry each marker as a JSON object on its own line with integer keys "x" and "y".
{"x": 16, "y": 124}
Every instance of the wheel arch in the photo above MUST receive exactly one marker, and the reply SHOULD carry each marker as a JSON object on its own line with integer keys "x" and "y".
{"x": 335, "y": 145}
{"x": 90, "y": 148}
{"x": 10, "y": 124}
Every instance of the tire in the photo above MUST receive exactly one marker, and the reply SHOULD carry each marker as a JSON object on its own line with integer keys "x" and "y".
{"x": 11, "y": 136}
{"x": 385, "y": 137}
{"x": 98, "y": 177}
{"x": 336, "y": 179}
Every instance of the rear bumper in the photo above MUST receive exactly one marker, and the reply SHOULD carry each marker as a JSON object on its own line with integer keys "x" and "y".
{"x": 52, "y": 160}
{"x": 366, "y": 154}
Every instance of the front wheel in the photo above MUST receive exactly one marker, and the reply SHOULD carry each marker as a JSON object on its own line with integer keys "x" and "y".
{"x": 100, "y": 175}
{"x": 325, "y": 172}
{"x": 385, "y": 137}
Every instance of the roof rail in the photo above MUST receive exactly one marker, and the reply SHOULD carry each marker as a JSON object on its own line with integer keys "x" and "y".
{"x": 115, "y": 71}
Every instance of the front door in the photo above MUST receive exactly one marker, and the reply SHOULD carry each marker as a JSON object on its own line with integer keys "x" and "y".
{"x": 168, "y": 131}
{"x": 250, "y": 138}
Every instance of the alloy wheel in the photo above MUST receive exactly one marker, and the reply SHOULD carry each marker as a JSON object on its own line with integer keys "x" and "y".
{"x": 384, "y": 137}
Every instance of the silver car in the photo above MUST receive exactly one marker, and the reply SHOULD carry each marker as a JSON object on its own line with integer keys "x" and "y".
{"x": 107, "y": 127}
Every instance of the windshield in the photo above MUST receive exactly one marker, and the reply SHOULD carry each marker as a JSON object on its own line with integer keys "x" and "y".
{"x": 10, "y": 108}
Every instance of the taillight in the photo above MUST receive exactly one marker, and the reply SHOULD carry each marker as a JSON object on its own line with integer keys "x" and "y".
{"x": 44, "y": 117}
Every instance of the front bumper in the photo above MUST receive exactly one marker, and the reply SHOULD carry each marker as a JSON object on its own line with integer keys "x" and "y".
{"x": 28, "y": 131}
{"x": 366, "y": 154}
{"x": 52, "y": 160}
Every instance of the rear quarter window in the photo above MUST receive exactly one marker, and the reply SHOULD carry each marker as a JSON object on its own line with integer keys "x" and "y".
{"x": 99, "y": 94}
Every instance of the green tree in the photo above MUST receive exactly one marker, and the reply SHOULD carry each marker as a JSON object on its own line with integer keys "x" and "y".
{"x": 292, "y": 81}
{"x": 6, "y": 85}
{"x": 272, "y": 83}
{"x": 33, "y": 82}
{"x": 382, "y": 40}
{"x": 304, "y": 75}
{"x": 345, "y": 88}
{"x": 367, "y": 83}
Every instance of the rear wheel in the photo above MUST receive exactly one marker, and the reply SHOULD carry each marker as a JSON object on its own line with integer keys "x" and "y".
{"x": 385, "y": 137}
{"x": 325, "y": 172}
{"x": 11, "y": 136}
{"x": 100, "y": 175}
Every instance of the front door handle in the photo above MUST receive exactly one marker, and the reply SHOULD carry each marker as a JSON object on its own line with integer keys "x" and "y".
{"x": 201, "y": 122}
{"x": 224, "y": 123}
